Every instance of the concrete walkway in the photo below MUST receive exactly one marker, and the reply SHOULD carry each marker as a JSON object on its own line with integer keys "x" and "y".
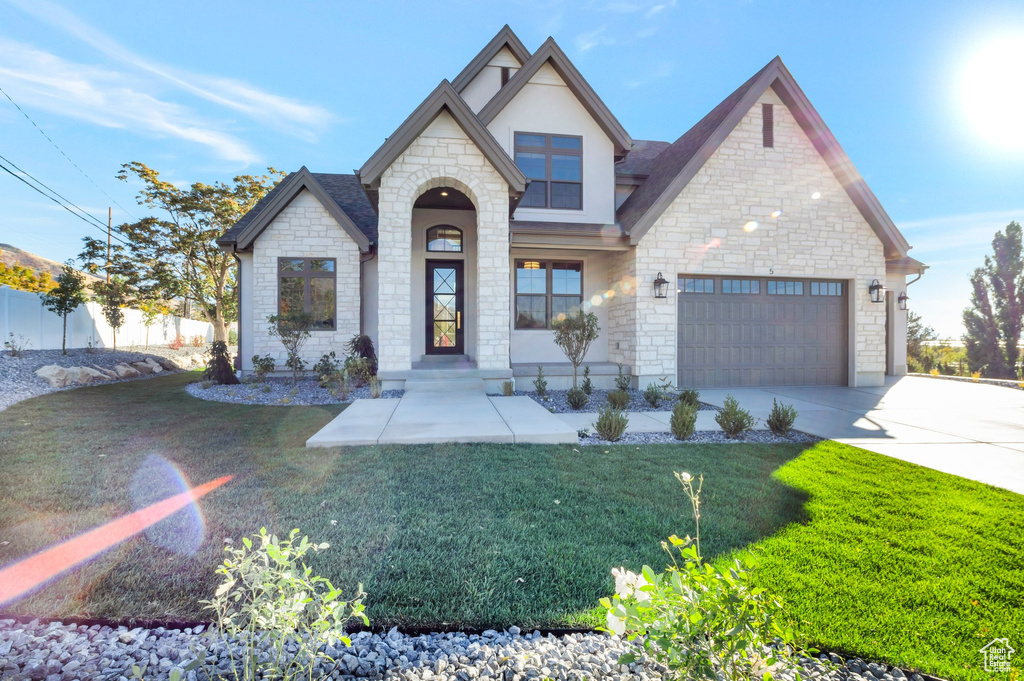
{"x": 972, "y": 430}
{"x": 429, "y": 416}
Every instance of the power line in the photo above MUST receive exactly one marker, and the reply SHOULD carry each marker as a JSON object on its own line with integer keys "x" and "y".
{"x": 81, "y": 215}
{"x": 86, "y": 175}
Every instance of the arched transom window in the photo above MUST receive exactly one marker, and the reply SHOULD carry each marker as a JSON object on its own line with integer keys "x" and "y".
{"x": 444, "y": 239}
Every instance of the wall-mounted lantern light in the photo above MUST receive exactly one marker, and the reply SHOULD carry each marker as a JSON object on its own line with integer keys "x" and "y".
{"x": 903, "y": 300}
{"x": 877, "y": 292}
{"x": 660, "y": 287}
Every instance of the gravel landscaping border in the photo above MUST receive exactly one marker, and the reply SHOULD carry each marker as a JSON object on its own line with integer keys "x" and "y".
{"x": 1002, "y": 382}
{"x": 556, "y": 401}
{"x": 18, "y": 380}
{"x": 702, "y": 437}
{"x": 278, "y": 392}
{"x": 67, "y": 652}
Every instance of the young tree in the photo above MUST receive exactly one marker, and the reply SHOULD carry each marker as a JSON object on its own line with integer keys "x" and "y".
{"x": 994, "y": 319}
{"x": 113, "y": 297}
{"x": 292, "y": 329}
{"x": 917, "y": 333}
{"x": 62, "y": 300}
{"x": 151, "y": 311}
{"x": 574, "y": 333}
{"x": 174, "y": 255}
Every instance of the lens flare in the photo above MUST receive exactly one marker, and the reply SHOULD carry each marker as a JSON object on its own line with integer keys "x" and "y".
{"x": 777, "y": 213}
{"x": 596, "y": 299}
{"x": 816, "y": 195}
{"x": 158, "y": 478}
{"x": 750, "y": 226}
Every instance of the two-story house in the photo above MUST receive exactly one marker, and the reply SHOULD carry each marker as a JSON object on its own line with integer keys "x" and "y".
{"x": 748, "y": 252}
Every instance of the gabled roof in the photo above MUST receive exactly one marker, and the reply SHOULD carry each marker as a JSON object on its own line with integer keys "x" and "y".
{"x": 551, "y": 53}
{"x": 443, "y": 98}
{"x": 341, "y": 195}
{"x": 677, "y": 165}
{"x": 506, "y": 37}
{"x": 641, "y": 158}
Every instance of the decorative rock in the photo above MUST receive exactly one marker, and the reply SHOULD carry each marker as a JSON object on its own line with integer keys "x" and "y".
{"x": 124, "y": 371}
{"x": 168, "y": 364}
{"x": 54, "y": 375}
{"x": 155, "y": 366}
{"x": 142, "y": 367}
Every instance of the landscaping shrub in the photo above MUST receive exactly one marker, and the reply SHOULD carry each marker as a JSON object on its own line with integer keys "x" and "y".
{"x": 292, "y": 329}
{"x": 270, "y": 600}
{"x": 360, "y": 369}
{"x": 376, "y": 387}
{"x": 690, "y": 396}
{"x": 178, "y": 343}
{"x": 219, "y": 369}
{"x": 653, "y": 394}
{"x": 733, "y": 420}
{"x": 576, "y": 398}
{"x": 508, "y": 388}
{"x": 197, "y": 341}
{"x": 262, "y": 367}
{"x": 15, "y": 346}
{"x": 361, "y": 345}
{"x": 781, "y": 419}
{"x": 540, "y": 383}
{"x": 574, "y": 333}
{"x": 700, "y": 621}
{"x": 622, "y": 381}
{"x": 326, "y": 369}
{"x": 618, "y": 399}
{"x": 611, "y": 423}
{"x": 232, "y": 337}
{"x": 683, "y": 420}
{"x": 587, "y": 386}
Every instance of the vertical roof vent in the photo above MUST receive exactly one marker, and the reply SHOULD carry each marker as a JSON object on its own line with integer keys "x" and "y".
{"x": 767, "y": 126}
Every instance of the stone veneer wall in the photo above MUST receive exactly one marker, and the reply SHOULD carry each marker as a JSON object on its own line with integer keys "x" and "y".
{"x": 702, "y": 232}
{"x": 442, "y": 156}
{"x": 304, "y": 229}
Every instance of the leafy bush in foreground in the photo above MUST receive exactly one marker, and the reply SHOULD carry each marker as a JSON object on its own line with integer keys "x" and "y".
{"x": 611, "y": 423}
{"x": 781, "y": 419}
{"x": 733, "y": 420}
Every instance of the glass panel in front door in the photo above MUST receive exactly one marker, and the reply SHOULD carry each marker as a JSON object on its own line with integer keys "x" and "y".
{"x": 445, "y": 307}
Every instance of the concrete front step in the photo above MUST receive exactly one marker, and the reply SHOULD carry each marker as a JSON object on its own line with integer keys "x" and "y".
{"x": 444, "y": 385}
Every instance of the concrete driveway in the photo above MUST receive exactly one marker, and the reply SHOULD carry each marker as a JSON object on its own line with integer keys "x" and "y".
{"x": 972, "y": 430}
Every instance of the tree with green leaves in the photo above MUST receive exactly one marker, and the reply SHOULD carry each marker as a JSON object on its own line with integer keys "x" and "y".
{"x": 574, "y": 333}
{"x": 994, "y": 319}
{"x": 113, "y": 297}
{"x": 174, "y": 255}
{"x": 65, "y": 298}
{"x": 917, "y": 333}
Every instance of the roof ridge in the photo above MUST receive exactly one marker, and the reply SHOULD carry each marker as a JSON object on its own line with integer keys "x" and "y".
{"x": 505, "y": 37}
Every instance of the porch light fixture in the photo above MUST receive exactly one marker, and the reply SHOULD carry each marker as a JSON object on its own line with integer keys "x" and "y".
{"x": 444, "y": 191}
{"x": 661, "y": 287}
{"x": 531, "y": 265}
{"x": 877, "y": 292}
{"x": 903, "y": 300}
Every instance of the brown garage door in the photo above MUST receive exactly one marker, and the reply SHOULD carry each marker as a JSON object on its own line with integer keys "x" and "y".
{"x": 756, "y": 331}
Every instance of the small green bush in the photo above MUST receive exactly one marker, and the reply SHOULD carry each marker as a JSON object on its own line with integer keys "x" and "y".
{"x": 690, "y": 396}
{"x": 508, "y": 388}
{"x": 618, "y": 399}
{"x": 653, "y": 394}
{"x": 540, "y": 383}
{"x": 683, "y": 420}
{"x": 359, "y": 369}
{"x": 262, "y": 367}
{"x": 587, "y": 386}
{"x": 611, "y": 423}
{"x": 780, "y": 421}
{"x": 326, "y": 368}
{"x": 732, "y": 419}
{"x": 623, "y": 381}
{"x": 577, "y": 398}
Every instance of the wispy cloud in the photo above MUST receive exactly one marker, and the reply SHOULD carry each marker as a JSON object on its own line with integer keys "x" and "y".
{"x": 660, "y": 71}
{"x": 659, "y": 8}
{"x": 964, "y": 232}
{"x": 297, "y": 118}
{"x": 109, "y": 98}
{"x": 584, "y": 42}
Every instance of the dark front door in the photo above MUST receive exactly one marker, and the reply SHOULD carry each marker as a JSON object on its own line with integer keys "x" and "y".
{"x": 445, "y": 307}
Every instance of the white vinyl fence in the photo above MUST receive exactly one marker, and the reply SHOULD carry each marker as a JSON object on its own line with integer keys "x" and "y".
{"x": 22, "y": 313}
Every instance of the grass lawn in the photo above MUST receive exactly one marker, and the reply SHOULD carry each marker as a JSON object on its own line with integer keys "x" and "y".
{"x": 878, "y": 557}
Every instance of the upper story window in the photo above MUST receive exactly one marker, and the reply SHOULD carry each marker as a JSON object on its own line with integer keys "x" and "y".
{"x": 444, "y": 239}
{"x": 307, "y": 285}
{"x": 554, "y": 166}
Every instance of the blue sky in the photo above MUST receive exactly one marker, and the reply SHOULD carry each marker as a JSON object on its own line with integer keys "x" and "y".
{"x": 918, "y": 93}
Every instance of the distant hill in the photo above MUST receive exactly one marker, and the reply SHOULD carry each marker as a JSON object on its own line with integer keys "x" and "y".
{"x": 11, "y": 256}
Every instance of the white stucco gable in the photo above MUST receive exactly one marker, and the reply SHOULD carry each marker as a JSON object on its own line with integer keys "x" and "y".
{"x": 487, "y": 82}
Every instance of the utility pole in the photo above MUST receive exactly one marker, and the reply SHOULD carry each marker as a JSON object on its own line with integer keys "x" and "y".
{"x": 110, "y": 220}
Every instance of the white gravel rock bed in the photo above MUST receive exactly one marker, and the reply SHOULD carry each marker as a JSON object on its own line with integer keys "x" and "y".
{"x": 701, "y": 436}
{"x": 556, "y": 401}
{"x": 18, "y": 380}
{"x": 66, "y": 652}
{"x": 278, "y": 392}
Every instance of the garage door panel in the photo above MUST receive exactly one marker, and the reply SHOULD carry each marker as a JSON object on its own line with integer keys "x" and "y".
{"x": 751, "y": 340}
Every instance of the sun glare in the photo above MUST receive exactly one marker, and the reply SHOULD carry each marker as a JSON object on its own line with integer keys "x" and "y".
{"x": 993, "y": 91}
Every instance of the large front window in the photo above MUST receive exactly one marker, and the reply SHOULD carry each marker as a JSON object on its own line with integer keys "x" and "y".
{"x": 546, "y": 291}
{"x": 308, "y": 285}
{"x": 554, "y": 166}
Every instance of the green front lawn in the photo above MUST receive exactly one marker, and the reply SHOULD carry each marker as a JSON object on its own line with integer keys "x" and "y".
{"x": 880, "y": 558}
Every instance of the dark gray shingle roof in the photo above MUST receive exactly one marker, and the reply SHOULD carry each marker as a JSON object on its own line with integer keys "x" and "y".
{"x": 641, "y": 157}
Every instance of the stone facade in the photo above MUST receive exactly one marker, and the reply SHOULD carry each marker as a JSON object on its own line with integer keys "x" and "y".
{"x": 443, "y": 155}
{"x": 820, "y": 233}
{"x": 304, "y": 229}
